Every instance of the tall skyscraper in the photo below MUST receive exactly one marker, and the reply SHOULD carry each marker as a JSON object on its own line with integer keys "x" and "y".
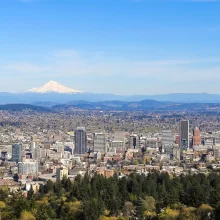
{"x": 80, "y": 140}
{"x": 196, "y": 137}
{"x": 99, "y": 142}
{"x": 184, "y": 134}
{"x": 16, "y": 153}
{"x": 32, "y": 148}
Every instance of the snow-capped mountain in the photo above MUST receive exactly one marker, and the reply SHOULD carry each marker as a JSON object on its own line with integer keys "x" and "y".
{"x": 53, "y": 86}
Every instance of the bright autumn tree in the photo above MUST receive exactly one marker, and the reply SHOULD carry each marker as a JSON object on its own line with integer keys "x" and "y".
{"x": 27, "y": 216}
{"x": 2, "y": 206}
{"x": 169, "y": 214}
{"x": 205, "y": 211}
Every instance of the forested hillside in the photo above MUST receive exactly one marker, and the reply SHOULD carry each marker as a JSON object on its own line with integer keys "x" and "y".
{"x": 156, "y": 196}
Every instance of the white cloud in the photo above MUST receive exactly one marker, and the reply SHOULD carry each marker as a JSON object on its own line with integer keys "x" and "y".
{"x": 70, "y": 63}
{"x": 25, "y": 68}
{"x": 66, "y": 53}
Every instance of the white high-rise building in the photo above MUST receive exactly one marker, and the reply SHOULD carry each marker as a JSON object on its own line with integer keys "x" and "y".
{"x": 167, "y": 137}
{"x": 32, "y": 148}
{"x": 119, "y": 141}
{"x": 39, "y": 153}
{"x": 99, "y": 142}
{"x": 28, "y": 167}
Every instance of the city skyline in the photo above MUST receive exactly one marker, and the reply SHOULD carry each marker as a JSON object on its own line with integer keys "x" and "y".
{"x": 109, "y": 109}
{"x": 165, "y": 46}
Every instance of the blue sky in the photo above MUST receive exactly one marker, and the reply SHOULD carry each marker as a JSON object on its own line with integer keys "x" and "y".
{"x": 111, "y": 46}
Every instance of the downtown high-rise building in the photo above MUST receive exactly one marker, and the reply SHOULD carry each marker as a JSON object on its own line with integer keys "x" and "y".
{"x": 99, "y": 142}
{"x": 184, "y": 134}
{"x": 32, "y": 148}
{"x": 16, "y": 153}
{"x": 80, "y": 141}
{"x": 196, "y": 140}
{"x": 119, "y": 141}
{"x": 39, "y": 153}
{"x": 28, "y": 167}
{"x": 135, "y": 141}
{"x": 167, "y": 137}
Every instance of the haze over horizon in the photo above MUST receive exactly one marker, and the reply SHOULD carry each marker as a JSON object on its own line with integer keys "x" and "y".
{"x": 124, "y": 47}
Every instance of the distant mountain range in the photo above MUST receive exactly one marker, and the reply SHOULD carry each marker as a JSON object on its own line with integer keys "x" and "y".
{"x": 53, "y": 93}
{"x": 145, "y": 105}
{"x": 113, "y": 105}
{"x": 24, "y": 107}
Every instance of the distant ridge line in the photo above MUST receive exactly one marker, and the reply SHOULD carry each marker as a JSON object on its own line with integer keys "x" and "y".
{"x": 63, "y": 98}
